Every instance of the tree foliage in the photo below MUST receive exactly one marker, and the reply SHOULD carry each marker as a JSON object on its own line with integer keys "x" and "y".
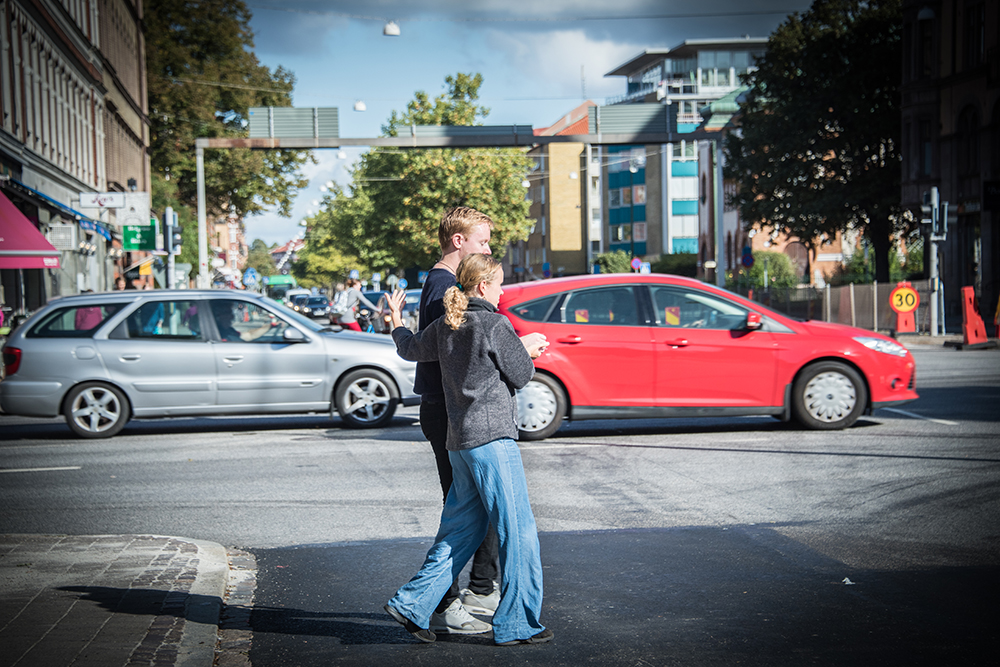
{"x": 617, "y": 261}
{"x": 776, "y": 265}
{"x": 259, "y": 258}
{"x": 819, "y": 146}
{"x": 679, "y": 264}
{"x": 388, "y": 216}
{"x": 202, "y": 78}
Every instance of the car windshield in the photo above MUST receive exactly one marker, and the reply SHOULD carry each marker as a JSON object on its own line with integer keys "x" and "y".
{"x": 317, "y": 301}
{"x": 290, "y": 314}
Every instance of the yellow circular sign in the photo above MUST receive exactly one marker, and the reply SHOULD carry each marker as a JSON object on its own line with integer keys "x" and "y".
{"x": 904, "y": 299}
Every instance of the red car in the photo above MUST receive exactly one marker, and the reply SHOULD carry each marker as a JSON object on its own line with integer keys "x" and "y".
{"x": 644, "y": 346}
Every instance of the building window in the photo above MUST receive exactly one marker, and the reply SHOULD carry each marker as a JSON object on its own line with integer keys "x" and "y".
{"x": 975, "y": 34}
{"x": 926, "y": 143}
{"x": 925, "y": 49}
{"x": 967, "y": 139}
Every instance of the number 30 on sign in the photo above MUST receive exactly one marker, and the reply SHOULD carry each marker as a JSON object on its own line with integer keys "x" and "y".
{"x": 904, "y": 299}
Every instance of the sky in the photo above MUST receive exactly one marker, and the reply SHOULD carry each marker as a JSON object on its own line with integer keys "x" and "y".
{"x": 539, "y": 59}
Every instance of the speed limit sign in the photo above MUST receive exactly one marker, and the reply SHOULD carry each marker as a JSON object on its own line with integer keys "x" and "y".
{"x": 904, "y": 299}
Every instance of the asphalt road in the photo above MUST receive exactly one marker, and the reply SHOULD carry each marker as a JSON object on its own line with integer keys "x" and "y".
{"x": 688, "y": 542}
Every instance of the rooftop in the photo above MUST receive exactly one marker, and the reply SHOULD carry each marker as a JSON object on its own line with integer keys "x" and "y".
{"x": 686, "y": 49}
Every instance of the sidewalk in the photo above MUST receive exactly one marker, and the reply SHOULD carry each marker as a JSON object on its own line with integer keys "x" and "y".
{"x": 107, "y": 600}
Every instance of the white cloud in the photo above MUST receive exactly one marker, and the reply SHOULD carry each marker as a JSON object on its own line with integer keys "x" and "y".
{"x": 552, "y": 61}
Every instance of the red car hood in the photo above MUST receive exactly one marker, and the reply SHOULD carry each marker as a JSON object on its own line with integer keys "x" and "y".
{"x": 818, "y": 328}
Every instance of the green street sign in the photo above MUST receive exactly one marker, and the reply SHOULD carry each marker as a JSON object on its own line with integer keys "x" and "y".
{"x": 139, "y": 237}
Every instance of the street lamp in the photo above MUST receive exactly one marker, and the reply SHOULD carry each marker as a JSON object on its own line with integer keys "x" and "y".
{"x": 633, "y": 167}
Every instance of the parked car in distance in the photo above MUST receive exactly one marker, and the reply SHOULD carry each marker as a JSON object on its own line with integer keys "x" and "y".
{"x": 315, "y": 306}
{"x": 102, "y": 359}
{"x": 410, "y": 313}
{"x": 654, "y": 345}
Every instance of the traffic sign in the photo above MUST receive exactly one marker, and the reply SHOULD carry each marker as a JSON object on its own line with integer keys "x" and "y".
{"x": 904, "y": 299}
{"x": 138, "y": 237}
{"x": 402, "y": 283}
{"x": 250, "y": 277}
{"x": 636, "y": 263}
{"x": 354, "y": 274}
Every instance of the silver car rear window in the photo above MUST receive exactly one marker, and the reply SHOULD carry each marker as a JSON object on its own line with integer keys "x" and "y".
{"x": 73, "y": 321}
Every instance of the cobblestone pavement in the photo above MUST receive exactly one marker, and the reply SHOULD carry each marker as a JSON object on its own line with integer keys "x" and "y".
{"x": 106, "y": 600}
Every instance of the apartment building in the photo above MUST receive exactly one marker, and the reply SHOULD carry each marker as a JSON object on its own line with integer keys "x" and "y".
{"x": 652, "y": 192}
{"x": 564, "y": 190}
{"x": 951, "y": 137}
{"x": 74, "y": 121}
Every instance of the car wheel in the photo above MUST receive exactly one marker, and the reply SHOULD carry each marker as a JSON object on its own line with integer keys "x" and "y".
{"x": 366, "y": 398}
{"x": 541, "y": 407}
{"x": 95, "y": 410}
{"x": 828, "y": 395}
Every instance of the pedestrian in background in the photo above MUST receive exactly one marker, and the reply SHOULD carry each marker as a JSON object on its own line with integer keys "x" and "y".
{"x": 482, "y": 364}
{"x": 352, "y": 300}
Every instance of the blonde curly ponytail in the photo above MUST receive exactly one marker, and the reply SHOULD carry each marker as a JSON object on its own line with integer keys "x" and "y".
{"x": 474, "y": 269}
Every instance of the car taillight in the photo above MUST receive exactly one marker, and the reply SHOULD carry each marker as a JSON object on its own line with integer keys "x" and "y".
{"x": 11, "y": 360}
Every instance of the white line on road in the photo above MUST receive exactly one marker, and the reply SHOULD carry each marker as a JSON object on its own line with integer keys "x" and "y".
{"x": 916, "y": 416}
{"x": 39, "y": 469}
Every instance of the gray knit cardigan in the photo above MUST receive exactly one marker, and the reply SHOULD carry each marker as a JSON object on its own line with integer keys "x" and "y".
{"x": 483, "y": 363}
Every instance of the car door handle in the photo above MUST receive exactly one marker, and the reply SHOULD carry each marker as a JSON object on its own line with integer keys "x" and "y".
{"x": 233, "y": 360}
{"x": 572, "y": 340}
{"x": 678, "y": 342}
{"x": 130, "y": 357}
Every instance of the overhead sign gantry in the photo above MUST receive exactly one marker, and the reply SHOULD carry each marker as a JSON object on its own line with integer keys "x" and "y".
{"x": 313, "y": 128}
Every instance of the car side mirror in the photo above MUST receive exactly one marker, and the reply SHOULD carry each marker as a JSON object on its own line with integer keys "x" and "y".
{"x": 293, "y": 335}
{"x": 754, "y": 321}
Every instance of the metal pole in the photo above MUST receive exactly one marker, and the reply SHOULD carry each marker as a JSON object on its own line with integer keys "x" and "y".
{"x": 875, "y": 306}
{"x": 168, "y": 230}
{"x": 203, "y": 278}
{"x": 631, "y": 210}
{"x": 853, "y": 321}
{"x": 934, "y": 265}
{"x": 827, "y": 304}
{"x": 720, "y": 272}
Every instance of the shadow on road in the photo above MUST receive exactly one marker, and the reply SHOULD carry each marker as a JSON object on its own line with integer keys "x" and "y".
{"x": 744, "y": 595}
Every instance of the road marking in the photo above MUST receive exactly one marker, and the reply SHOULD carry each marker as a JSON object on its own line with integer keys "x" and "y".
{"x": 916, "y": 416}
{"x": 40, "y": 469}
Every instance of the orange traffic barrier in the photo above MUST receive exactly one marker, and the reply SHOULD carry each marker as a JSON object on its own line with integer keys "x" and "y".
{"x": 973, "y": 329}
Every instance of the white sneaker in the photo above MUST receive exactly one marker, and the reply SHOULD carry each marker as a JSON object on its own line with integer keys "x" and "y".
{"x": 485, "y": 605}
{"x": 456, "y": 620}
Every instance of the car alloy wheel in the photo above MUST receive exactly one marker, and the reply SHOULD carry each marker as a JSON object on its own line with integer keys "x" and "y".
{"x": 828, "y": 395}
{"x": 366, "y": 398}
{"x": 541, "y": 407}
{"x": 96, "y": 410}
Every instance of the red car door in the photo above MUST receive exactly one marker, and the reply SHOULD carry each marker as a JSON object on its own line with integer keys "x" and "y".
{"x": 600, "y": 348}
{"x": 705, "y": 357}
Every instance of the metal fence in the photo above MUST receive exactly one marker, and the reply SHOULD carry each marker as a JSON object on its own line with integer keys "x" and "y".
{"x": 862, "y": 305}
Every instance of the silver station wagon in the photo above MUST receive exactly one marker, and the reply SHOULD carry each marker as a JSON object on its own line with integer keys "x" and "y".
{"x": 102, "y": 359}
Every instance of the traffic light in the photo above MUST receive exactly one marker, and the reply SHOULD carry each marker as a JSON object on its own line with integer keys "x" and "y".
{"x": 172, "y": 238}
{"x": 177, "y": 239}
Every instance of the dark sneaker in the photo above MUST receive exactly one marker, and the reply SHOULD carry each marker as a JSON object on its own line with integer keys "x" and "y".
{"x": 411, "y": 627}
{"x": 543, "y": 637}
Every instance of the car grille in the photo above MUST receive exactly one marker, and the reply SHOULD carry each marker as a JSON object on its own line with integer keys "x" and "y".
{"x": 913, "y": 380}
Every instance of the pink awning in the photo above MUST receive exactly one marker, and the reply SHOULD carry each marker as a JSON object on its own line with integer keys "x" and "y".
{"x": 22, "y": 246}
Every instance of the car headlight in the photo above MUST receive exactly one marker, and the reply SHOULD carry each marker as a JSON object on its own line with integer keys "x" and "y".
{"x": 882, "y": 345}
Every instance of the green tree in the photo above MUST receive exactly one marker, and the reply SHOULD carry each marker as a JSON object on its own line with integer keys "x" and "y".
{"x": 389, "y": 215}
{"x": 259, "y": 258}
{"x": 679, "y": 264}
{"x": 618, "y": 261}
{"x": 777, "y": 266}
{"x": 202, "y": 77}
{"x": 819, "y": 146}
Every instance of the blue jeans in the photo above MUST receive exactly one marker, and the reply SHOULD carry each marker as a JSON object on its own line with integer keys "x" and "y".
{"x": 488, "y": 486}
